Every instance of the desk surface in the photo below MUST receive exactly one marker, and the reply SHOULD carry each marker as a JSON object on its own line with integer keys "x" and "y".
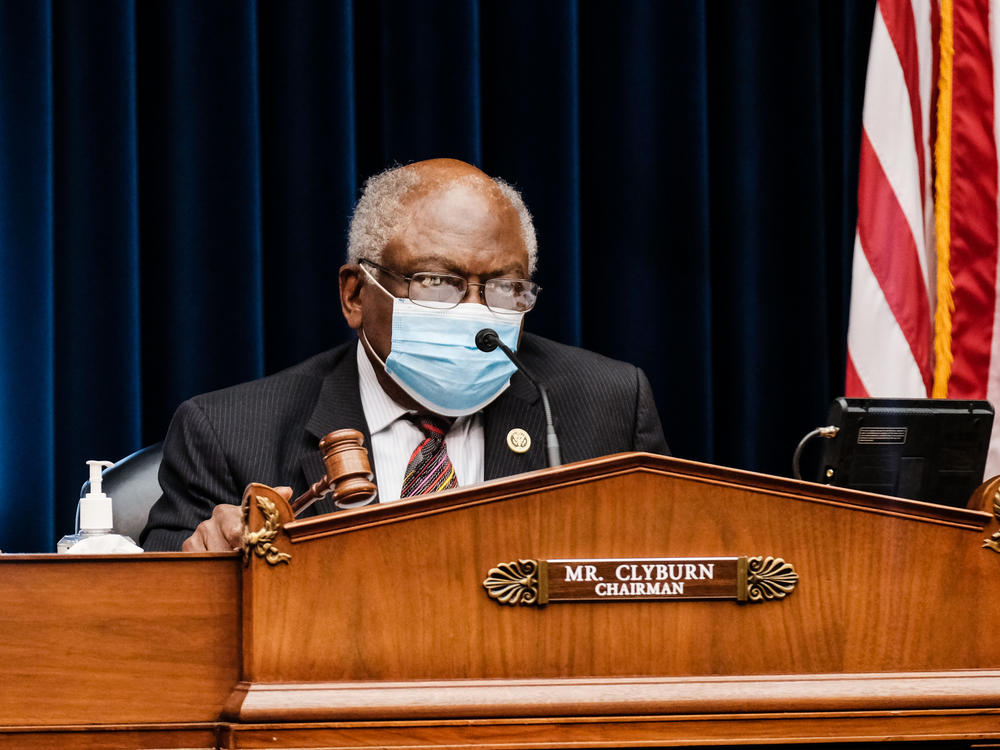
{"x": 890, "y": 632}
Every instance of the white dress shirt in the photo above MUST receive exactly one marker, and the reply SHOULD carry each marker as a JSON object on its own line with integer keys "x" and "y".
{"x": 394, "y": 437}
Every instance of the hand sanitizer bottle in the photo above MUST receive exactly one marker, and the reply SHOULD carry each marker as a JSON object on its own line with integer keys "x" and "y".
{"x": 95, "y": 511}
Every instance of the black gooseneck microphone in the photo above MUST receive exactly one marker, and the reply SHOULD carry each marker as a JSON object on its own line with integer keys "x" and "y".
{"x": 487, "y": 340}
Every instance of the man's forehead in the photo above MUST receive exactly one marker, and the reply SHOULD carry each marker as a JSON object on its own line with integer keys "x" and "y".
{"x": 459, "y": 208}
{"x": 463, "y": 225}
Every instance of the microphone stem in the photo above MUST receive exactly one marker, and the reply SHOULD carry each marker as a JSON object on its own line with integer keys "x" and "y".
{"x": 551, "y": 441}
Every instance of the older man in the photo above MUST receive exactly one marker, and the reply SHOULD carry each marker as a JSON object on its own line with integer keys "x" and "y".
{"x": 438, "y": 250}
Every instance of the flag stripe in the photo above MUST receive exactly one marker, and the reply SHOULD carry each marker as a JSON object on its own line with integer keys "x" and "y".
{"x": 993, "y": 384}
{"x": 853, "y": 384}
{"x": 889, "y": 336}
{"x": 881, "y": 356}
{"x": 891, "y": 252}
{"x": 973, "y": 256}
{"x": 899, "y": 22}
{"x": 886, "y": 123}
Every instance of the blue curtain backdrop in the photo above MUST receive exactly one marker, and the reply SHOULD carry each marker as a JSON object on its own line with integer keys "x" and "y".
{"x": 176, "y": 180}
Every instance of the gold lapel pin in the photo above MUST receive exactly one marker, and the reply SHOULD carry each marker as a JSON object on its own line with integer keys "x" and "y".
{"x": 518, "y": 440}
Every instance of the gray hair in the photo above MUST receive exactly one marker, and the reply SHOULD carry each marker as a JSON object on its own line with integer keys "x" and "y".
{"x": 380, "y": 214}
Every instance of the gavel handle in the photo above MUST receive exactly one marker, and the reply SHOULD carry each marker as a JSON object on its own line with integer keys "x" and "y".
{"x": 317, "y": 491}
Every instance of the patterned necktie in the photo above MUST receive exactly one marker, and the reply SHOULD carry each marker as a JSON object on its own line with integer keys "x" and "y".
{"x": 429, "y": 469}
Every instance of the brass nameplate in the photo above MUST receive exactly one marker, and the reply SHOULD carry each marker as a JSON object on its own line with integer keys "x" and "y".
{"x": 744, "y": 579}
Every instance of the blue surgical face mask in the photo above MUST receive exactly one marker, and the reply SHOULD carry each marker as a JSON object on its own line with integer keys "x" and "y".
{"x": 435, "y": 360}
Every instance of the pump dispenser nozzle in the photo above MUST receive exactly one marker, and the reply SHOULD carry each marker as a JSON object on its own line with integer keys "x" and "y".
{"x": 95, "y": 506}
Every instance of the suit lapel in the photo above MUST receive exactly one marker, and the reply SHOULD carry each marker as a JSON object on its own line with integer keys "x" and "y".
{"x": 338, "y": 407}
{"x": 518, "y": 407}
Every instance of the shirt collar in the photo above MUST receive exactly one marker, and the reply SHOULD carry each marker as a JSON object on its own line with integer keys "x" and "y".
{"x": 379, "y": 407}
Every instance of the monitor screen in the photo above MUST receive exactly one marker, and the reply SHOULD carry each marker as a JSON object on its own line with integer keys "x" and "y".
{"x": 923, "y": 449}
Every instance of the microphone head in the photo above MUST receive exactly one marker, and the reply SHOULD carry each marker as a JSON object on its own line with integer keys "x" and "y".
{"x": 487, "y": 340}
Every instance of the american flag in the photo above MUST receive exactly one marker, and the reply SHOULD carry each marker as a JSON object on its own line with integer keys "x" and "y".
{"x": 924, "y": 283}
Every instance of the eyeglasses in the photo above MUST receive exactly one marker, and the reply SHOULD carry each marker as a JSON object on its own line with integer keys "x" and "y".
{"x": 444, "y": 290}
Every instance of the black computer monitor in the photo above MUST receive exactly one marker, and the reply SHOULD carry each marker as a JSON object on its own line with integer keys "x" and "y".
{"x": 923, "y": 449}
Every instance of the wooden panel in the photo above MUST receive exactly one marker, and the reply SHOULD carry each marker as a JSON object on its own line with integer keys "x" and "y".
{"x": 378, "y": 631}
{"x": 117, "y": 639}
{"x": 181, "y": 737}
{"x": 649, "y": 731}
{"x": 885, "y": 585}
{"x": 719, "y": 696}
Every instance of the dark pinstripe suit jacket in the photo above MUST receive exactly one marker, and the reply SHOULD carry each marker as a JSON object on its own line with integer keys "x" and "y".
{"x": 268, "y": 430}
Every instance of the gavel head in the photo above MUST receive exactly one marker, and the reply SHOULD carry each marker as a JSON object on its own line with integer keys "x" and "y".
{"x": 348, "y": 468}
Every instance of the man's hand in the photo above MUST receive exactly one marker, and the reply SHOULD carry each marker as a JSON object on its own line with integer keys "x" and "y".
{"x": 222, "y": 531}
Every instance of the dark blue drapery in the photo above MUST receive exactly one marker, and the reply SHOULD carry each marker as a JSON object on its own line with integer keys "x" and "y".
{"x": 176, "y": 179}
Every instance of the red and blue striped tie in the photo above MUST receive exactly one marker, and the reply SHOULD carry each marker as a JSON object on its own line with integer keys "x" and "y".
{"x": 429, "y": 468}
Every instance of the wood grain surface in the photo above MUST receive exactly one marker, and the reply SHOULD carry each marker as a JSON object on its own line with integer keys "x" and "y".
{"x": 885, "y": 585}
{"x": 117, "y": 639}
{"x": 378, "y": 631}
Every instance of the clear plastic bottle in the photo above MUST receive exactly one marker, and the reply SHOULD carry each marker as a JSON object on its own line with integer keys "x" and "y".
{"x": 96, "y": 518}
{"x": 64, "y": 544}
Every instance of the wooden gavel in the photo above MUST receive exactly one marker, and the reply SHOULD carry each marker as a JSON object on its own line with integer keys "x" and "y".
{"x": 348, "y": 472}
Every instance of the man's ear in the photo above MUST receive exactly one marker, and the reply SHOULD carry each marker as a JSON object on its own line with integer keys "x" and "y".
{"x": 351, "y": 285}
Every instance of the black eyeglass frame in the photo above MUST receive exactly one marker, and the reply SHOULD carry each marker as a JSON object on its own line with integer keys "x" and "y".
{"x": 531, "y": 285}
